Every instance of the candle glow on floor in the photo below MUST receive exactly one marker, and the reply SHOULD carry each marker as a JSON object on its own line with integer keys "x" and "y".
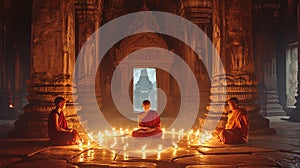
{"x": 120, "y": 141}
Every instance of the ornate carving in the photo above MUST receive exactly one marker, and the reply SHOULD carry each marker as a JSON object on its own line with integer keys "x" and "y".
{"x": 43, "y": 78}
{"x": 143, "y": 40}
{"x": 237, "y": 31}
{"x": 216, "y": 35}
{"x": 51, "y": 68}
{"x": 198, "y": 12}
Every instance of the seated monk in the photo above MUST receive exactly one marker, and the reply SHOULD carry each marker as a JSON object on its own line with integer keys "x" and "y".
{"x": 237, "y": 126}
{"x": 59, "y": 133}
{"x": 148, "y": 122}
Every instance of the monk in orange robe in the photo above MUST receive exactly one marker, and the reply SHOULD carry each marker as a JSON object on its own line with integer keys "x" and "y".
{"x": 237, "y": 127}
{"x": 148, "y": 122}
{"x": 59, "y": 133}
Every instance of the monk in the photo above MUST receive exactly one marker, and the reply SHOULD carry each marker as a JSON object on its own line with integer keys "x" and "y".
{"x": 237, "y": 126}
{"x": 148, "y": 122}
{"x": 59, "y": 133}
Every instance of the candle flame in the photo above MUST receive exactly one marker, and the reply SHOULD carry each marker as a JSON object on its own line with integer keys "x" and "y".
{"x": 144, "y": 148}
{"x": 175, "y": 145}
{"x": 159, "y": 147}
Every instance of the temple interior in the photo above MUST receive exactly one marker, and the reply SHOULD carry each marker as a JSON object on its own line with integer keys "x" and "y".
{"x": 188, "y": 57}
{"x": 256, "y": 41}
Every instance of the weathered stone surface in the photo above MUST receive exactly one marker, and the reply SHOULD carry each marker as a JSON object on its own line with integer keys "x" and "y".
{"x": 266, "y": 151}
{"x": 22, "y": 147}
{"x": 209, "y": 166}
{"x": 233, "y": 150}
{"x": 232, "y": 159}
{"x": 45, "y": 163}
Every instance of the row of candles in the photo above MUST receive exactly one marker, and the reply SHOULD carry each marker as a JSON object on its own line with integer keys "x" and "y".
{"x": 192, "y": 137}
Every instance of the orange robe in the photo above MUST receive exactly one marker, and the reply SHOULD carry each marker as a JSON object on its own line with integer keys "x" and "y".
{"x": 237, "y": 128}
{"x": 151, "y": 126}
{"x": 59, "y": 137}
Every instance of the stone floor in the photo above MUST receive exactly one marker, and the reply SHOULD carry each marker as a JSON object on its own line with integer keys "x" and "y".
{"x": 280, "y": 150}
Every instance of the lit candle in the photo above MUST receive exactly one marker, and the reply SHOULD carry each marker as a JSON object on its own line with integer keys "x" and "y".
{"x": 199, "y": 141}
{"x": 175, "y": 145}
{"x": 92, "y": 154}
{"x": 89, "y": 153}
{"x": 144, "y": 155}
{"x": 144, "y": 148}
{"x": 173, "y": 131}
{"x": 126, "y": 131}
{"x": 174, "y": 152}
{"x": 113, "y": 154}
{"x": 159, "y": 147}
{"x": 80, "y": 146}
{"x": 113, "y": 145}
{"x": 125, "y": 157}
{"x": 89, "y": 143}
{"x": 106, "y": 132}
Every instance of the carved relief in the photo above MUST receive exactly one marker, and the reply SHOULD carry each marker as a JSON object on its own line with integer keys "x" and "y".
{"x": 216, "y": 35}
{"x": 237, "y": 32}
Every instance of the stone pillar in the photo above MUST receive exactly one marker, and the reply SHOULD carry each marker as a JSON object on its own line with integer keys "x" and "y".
{"x": 200, "y": 13}
{"x": 295, "y": 115}
{"x": 3, "y": 79}
{"x": 272, "y": 106}
{"x": 238, "y": 78}
{"x": 265, "y": 25}
{"x": 88, "y": 20}
{"x": 52, "y": 57}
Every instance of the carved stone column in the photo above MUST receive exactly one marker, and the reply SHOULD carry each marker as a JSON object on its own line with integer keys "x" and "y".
{"x": 4, "y": 78}
{"x": 265, "y": 26}
{"x": 238, "y": 78}
{"x": 52, "y": 57}
{"x": 200, "y": 13}
{"x": 88, "y": 20}
{"x": 295, "y": 115}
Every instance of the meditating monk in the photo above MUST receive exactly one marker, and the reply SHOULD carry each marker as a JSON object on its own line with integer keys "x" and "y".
{"x": 148, "y": 122}
{"x": 237, "y": 126}
{"x": 59, "y": 133}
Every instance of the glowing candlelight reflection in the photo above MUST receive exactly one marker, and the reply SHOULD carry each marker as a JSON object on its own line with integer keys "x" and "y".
{"x": 174, "y": 152}
{"x": 126, "y": 156}
{"x": 158, "y": 156}
{"x": 81, "y": 157}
